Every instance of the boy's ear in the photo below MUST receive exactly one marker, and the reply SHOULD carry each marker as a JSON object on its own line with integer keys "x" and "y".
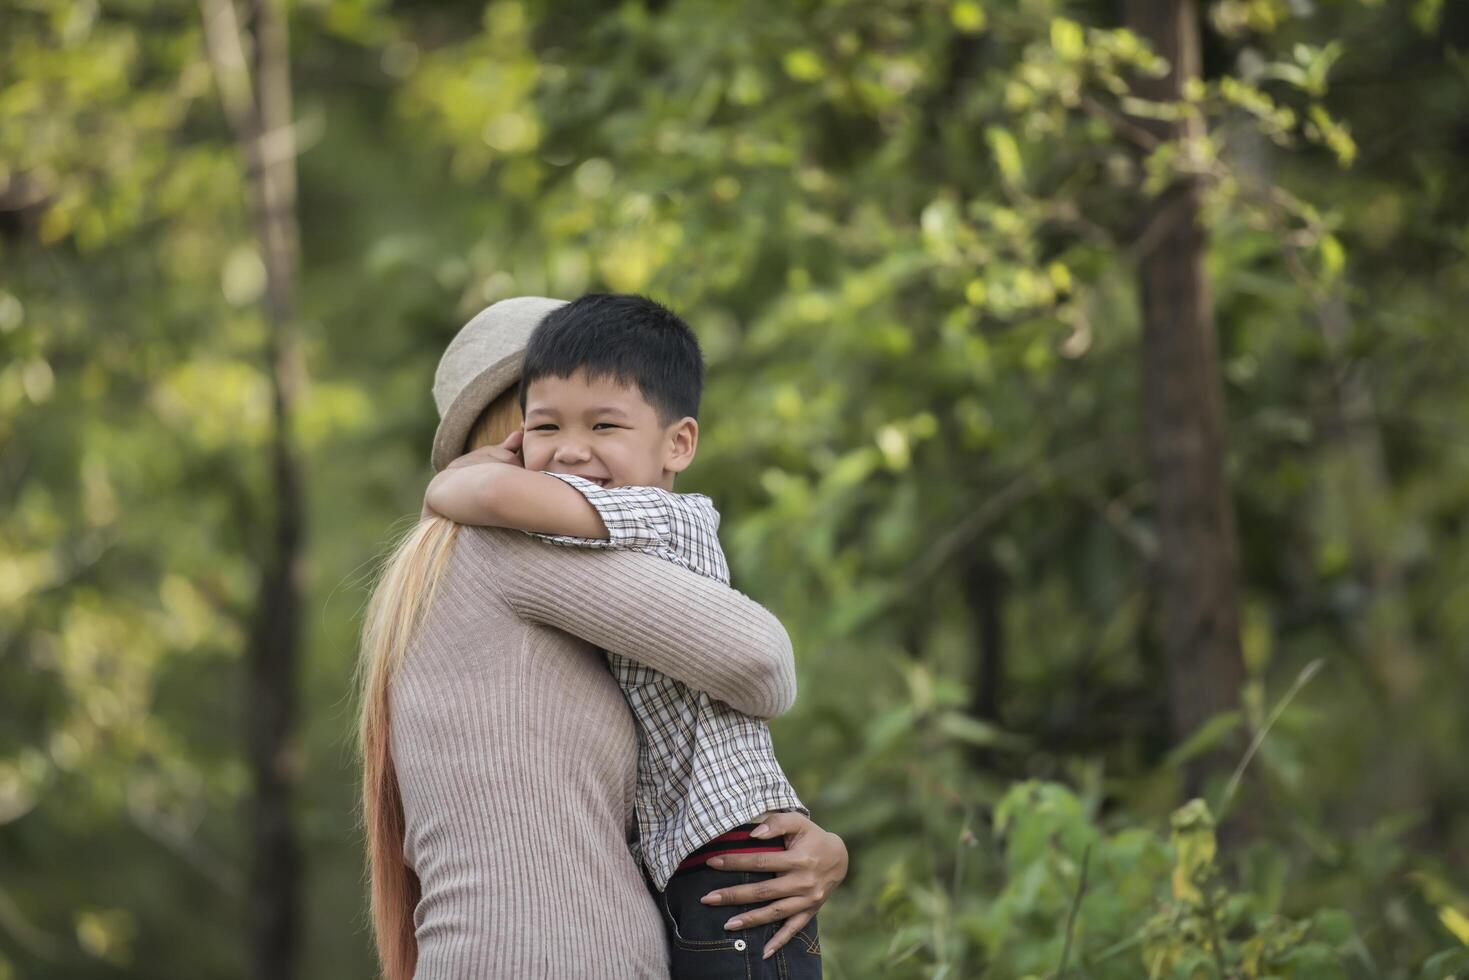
{"x": 681, "y": 442}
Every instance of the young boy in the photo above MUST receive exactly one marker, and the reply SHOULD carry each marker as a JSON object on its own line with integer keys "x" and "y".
{"x": 610, "y": 393}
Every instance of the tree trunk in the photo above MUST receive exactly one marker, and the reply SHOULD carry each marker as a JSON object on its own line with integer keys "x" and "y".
{"x": 256, "y": 95}
{"x": 274, "y": 757}
{"x": 1356, "y": 503}
{"x": 1183, "y": 412}
{"x": 1357, "y": 497}
{"x": 984, "y": 585}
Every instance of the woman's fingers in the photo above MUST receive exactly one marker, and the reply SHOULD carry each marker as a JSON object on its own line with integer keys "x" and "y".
{"x": 768, "y": 890}
{"x": 773, "y": 912}
{"x": 792, "y": 926}
{"x": 777, "y": 861}
{"x": 813, "y": 863}
{"x": 779, "y": 824}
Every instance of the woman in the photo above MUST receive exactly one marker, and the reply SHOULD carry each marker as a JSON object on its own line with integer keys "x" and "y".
{"x": 500, "y": 757}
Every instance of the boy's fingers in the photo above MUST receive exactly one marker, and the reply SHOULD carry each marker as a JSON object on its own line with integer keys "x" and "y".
{"x": 792, "y": 926}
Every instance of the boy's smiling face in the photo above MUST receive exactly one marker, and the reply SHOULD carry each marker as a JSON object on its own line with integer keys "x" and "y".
{"x": 605, "y": 431}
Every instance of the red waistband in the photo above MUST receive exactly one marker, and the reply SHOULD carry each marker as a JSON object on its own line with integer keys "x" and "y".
{"x": 737, "y": 841}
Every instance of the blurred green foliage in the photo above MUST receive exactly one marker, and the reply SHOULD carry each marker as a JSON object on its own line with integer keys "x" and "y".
{"x": 905, "y": 232}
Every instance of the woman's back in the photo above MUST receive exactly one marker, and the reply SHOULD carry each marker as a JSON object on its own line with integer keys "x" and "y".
{"x": 516, "y": 759}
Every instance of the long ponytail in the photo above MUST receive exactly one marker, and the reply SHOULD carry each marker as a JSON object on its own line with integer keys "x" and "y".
{"x": 404, "y": 593}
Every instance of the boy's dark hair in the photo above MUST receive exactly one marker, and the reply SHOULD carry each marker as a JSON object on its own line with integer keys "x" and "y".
{"x": 631, "y": 339}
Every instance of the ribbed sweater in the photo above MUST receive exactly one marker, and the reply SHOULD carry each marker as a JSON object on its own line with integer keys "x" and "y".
{"x": 517, "y": 757}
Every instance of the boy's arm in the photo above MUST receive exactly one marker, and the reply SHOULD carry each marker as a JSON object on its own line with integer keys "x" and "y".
{"x": 503, "y": 494}
{"x": 490, "y": 487}
{"x": 636, "y": 518}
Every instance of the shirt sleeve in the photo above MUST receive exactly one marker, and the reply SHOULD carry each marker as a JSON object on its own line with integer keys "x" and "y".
{"x": 637, "y": 518}
{"x": 680, "y": 527}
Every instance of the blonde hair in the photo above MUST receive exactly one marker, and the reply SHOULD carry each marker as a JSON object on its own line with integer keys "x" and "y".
{"x": 404, "y": 593}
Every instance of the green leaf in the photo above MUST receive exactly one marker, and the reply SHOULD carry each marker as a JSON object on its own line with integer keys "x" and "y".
{"x": 804, "y": 65}
{"x": 974, "y": 731}
{"x": 967, "y": 16}
{"x": 1068, "y": 39}
{"x": 1007, "y": 154}
{"x": 1210, "y": 735}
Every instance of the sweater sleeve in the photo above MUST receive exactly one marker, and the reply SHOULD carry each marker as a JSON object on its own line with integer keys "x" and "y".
{"x": 688, "y": 626}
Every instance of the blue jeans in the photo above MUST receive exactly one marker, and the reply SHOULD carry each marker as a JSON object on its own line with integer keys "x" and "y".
{"x": 700, "y": 948}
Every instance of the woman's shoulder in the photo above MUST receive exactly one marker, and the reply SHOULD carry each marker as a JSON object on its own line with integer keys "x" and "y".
{"x": 519, "y": 564}
{"x": 490, "y": 540}
{"x": 488, "y": 550}
{"x": 506, "y": 555}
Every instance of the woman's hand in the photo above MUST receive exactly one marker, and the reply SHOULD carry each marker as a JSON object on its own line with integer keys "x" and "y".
{"x": 813, "y": 863}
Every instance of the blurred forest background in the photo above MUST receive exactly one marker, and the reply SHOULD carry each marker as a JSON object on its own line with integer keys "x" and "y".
{"x": 1097, "y": 430}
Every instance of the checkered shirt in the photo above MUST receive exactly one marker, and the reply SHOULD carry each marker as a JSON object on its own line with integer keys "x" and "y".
{"x": 703, "y": 767}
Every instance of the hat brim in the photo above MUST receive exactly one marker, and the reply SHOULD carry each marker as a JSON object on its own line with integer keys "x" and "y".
{"x": 473, "y": 398}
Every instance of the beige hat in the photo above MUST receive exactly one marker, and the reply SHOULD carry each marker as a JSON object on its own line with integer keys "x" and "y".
{"x": 482, "y": 361}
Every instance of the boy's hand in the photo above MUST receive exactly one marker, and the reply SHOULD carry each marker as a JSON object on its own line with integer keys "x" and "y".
{"x": 813, "y": 863}
{"x": 506, "y": 452}
{"x": 490, "y": 487}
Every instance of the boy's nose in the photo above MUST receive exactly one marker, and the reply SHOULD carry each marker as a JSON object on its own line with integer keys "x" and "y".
{"x": 571, "y": 453}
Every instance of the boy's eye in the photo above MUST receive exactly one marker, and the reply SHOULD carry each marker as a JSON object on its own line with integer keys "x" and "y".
{"x": 607, "y": 424}
{"x": 546, "y": 427}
